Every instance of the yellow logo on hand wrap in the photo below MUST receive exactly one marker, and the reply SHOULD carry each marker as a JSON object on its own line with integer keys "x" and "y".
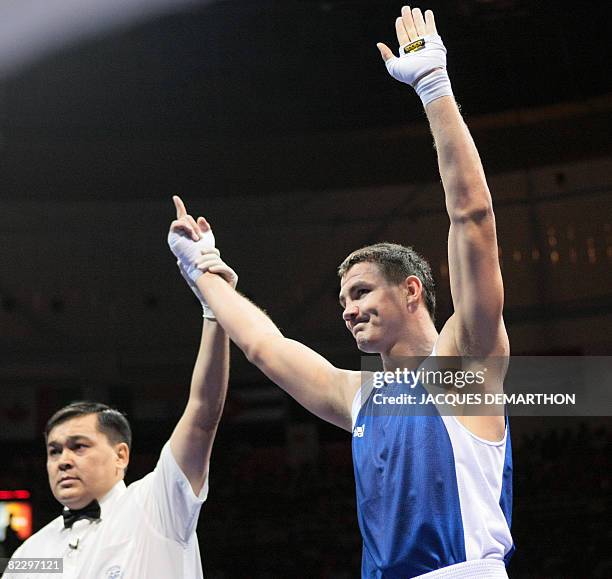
{"x": 414, "y": 46}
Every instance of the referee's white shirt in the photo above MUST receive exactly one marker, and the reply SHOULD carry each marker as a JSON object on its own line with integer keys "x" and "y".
{"x": 145, "y": 530}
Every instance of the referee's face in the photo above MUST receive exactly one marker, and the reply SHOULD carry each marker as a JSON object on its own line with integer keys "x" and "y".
{"x": 82, "y": 464}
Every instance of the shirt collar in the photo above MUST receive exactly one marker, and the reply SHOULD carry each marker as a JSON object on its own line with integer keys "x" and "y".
{"x": 110, "y": 498}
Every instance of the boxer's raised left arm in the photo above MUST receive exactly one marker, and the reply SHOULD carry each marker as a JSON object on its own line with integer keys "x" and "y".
{"x": 476, "y": 328}
{"x": 474, "y": 270}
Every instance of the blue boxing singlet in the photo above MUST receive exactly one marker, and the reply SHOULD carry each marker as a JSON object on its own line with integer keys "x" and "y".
{"x": 430, "y": 494}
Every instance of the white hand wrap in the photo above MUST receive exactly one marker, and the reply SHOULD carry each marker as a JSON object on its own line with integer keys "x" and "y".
{"x": 422, "y": 65}
{"x": 188, "y": 251}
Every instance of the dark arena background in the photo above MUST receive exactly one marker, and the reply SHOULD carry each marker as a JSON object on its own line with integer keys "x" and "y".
{"x": 278, "y": 121}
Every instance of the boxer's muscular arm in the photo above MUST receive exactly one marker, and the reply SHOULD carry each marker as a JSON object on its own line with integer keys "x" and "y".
{"x": 316, "y": 384}
{"x": 474, "y": 271}
{"x": 476, "y": 328}
{"x": 475, "y": 276}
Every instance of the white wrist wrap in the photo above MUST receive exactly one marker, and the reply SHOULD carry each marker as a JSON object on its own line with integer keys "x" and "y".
{"x": 433, "y": 86}
{"x": 422, "y": 65}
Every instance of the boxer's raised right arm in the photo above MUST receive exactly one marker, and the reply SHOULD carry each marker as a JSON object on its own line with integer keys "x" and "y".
{"x": 316, "y": 384}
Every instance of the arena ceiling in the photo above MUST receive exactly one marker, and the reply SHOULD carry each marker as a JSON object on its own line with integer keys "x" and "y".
{"x": 219, "y": 96}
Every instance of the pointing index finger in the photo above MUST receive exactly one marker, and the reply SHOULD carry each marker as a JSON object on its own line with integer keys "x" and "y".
{"x": 181, "y": 211}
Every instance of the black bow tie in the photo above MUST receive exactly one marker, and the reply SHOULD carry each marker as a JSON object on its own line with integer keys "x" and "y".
{"x": 71, "y": 516}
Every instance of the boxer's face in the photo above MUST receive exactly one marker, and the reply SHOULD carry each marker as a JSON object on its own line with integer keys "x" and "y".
{"x": 374, "y": 310}
{"x": 82, "y": 464}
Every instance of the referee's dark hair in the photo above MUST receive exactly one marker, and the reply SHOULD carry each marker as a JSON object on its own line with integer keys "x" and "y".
{"x": 111, "y": 421}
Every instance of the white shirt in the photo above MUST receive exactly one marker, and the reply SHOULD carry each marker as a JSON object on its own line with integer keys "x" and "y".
{"x": 145, "y": 530}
